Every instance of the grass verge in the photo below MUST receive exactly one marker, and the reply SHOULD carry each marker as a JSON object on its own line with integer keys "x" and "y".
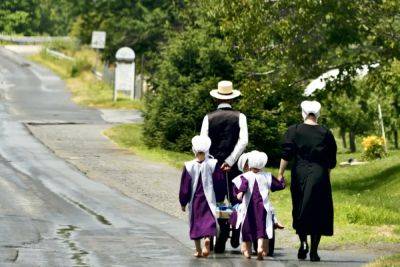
{"x": 85, "y": 88}
{"x": 365, "y": 201}
{"x": 129, "y": 136}
{"x": 389, "y": 261}
{"x": 365, "y": 197}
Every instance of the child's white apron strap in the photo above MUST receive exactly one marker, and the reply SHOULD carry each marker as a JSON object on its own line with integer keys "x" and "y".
{"x": 264, "y": 181}
{"x": 193, "y": 168}
{"x": 207, "y": 168}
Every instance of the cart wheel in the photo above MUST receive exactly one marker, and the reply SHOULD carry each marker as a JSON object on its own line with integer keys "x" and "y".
{"x": 255, "y": 246}
{"x": 220, "y": 242}
{"x": 235, "y": 236}
{"x": 271, "y": 246}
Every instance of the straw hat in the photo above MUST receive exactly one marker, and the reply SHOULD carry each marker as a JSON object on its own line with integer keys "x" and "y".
{"x": 310, "y": 107}
{"x": 225, "y": 91}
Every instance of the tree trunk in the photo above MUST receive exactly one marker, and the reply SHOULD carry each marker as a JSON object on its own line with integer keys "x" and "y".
{"x": 396, "y": 138}
{"x": 352, "y": 142}
{"x": 343, "y": 135}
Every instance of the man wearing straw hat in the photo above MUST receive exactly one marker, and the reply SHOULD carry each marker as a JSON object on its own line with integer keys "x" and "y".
{"x": 227, "y": 130}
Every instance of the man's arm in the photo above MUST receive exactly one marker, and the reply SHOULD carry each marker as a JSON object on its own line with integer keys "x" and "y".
{"x": 204, "y": 126}
{"x": 242, "y": 141}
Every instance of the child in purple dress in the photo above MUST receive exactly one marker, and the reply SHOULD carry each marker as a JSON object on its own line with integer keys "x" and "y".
{"x": 243, "y": 166}
{"x": 202, "y": 186}
{"x": 255, "y": 215}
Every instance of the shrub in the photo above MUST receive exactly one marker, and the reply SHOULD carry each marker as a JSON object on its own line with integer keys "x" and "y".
{"x": 65, "y": 46}
{"x": 190, "y": 66}
{"x": 373, "y": 147}
{"x": 79, "y": 66}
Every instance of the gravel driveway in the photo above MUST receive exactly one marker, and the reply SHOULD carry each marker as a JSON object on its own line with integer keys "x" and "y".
{"x": 84, "y": 146}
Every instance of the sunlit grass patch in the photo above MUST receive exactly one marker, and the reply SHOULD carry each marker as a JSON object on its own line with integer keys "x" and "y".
{"x": 86, "y": 89}
{"x": 388, "y": 261}
{"x": 366, "y": 202}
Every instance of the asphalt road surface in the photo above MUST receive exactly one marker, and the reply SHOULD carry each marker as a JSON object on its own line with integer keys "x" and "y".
{"x": 53, "y": 215}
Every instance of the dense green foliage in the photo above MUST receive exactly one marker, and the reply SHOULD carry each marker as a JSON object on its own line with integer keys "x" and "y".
{"x": 32, "y": 17}
{"x": 274, "y": 49}
{"x": 269, "y": 49}
{"x": 142, "y": 25}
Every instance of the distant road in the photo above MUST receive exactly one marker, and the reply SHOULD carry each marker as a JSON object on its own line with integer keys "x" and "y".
{"x": 31, "y": 39}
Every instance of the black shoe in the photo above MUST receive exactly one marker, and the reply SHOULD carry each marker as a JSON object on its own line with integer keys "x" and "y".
{"x": 314, "y": 256}
{"x": 303, "y": 251}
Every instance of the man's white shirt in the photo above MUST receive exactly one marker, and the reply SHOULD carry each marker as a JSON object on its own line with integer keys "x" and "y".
{"x": 243, "y": 135}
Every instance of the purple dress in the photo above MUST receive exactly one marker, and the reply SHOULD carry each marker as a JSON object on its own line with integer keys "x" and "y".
{"x": 202, "y": 221}
{"x": 254, "y": 224}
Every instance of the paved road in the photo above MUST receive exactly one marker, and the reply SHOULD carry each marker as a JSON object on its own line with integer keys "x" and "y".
{"x": 53, "y": 215}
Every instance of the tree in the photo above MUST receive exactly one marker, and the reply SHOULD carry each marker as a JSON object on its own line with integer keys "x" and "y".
{"x": 352, "y": 109}
{"x": 385, "y": 83}
{"x": 19, "y": 16}
{"x": 141, "y": 25}
{"x": 30, "y": 17}
{"x": 189, "y": 67}
{"x": 276, "y": 47}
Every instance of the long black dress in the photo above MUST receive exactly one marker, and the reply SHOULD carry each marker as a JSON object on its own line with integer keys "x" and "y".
{"x": 313, "y": 149}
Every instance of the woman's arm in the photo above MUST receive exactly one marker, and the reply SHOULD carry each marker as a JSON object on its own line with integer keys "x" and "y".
{"x": 282, "y": 169}
{"x": 288, "y": 150}
{"x": 332, "y": 150}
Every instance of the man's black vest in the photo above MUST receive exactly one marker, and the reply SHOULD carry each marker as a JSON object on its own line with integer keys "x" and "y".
{"x": 223, "y": 130}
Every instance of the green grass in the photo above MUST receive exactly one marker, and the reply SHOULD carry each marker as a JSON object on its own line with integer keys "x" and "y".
{"x": 130, "y": 136}
{"x": 366, "y": 198}
{"x": 389, "y": 261}
{"x": 85, "y": 88}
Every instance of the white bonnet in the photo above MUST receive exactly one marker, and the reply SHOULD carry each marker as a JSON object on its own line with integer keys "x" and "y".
{"x": 257, "y": 159}
{"x": 310, "y": 107}
{"x": 201, "y": 143}
{"x": 242, "y": 161}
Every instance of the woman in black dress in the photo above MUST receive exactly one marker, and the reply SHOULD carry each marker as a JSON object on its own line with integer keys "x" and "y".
{"x": 312, "y": 148}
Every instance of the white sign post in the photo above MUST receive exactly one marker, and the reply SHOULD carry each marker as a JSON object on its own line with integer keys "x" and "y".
{"x": 125, "y": 72}
{"x": 98, "y": 40}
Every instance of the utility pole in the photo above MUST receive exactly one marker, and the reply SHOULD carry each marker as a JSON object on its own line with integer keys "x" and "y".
{"x": 382, "y": 127}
